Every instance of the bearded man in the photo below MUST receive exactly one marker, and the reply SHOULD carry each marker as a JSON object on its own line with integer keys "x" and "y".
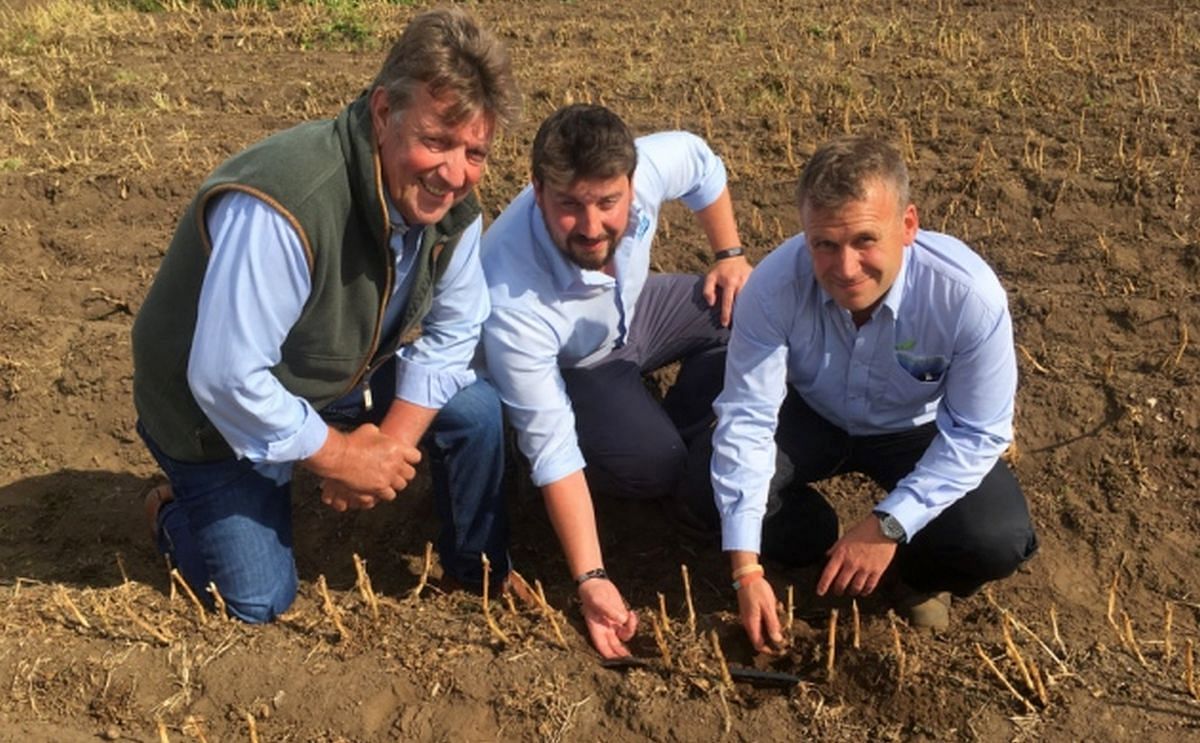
{"x": 578, "y": 319}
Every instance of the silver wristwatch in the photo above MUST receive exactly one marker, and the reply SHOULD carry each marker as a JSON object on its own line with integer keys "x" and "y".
{"x": 891, "y": 528}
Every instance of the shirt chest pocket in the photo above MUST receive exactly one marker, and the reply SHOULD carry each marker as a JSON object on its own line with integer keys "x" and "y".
{"x": 922, "y": 368}
{"x": 914, "y": 381}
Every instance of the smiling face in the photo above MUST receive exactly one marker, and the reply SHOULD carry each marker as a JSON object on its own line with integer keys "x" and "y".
{"x": 428, "y": 164}
{"x": 858, "y": 247}
{"x": 587, "y": 218}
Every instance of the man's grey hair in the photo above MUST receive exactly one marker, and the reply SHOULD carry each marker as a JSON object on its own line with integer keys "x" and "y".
{"x": 840, "y": 170}
{"x": 446, "y": 50}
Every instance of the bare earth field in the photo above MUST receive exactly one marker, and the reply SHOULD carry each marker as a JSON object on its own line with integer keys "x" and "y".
{"x": 1058, "y": 138}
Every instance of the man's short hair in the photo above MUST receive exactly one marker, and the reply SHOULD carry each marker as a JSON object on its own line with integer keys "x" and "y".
{"x": 446, "y": 49}
{"x": 840, "y": 170}
{"x": 582, "y": 141}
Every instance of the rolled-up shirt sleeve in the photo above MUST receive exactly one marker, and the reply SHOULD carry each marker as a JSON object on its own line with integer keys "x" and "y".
{"x": 747, "y": 415}
{"x": 522, "y": 354}
{"x": 679, "y": 165}
{"x": 436, "y": 366}
{"x": 255, "y": 285}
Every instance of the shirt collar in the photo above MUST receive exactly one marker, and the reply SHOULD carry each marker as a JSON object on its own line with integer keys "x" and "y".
{"x": 395, "y": 219}
{"x": 895, "y": 294}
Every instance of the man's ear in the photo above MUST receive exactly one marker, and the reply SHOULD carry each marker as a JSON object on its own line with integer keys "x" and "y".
{"x": 380, "y": 110}
{"x": 911, "y": 224}
{"x": 537, "y": 189}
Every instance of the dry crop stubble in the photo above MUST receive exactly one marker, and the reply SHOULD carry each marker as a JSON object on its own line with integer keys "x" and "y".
{"x": 1057, "y": 140}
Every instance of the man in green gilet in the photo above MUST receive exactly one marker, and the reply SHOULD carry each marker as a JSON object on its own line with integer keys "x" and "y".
{"x": 320, "y": 305}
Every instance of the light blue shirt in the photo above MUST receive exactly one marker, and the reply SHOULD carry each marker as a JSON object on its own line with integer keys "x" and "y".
{"x": 548, "y": 313}
{"x": 255, "y": 286}
{"x": 938, "y": 348}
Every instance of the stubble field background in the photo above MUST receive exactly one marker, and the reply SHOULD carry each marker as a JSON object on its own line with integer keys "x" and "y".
{"x": 1057, "y": 138}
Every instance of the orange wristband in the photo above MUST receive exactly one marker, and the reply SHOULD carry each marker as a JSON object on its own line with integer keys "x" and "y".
{"x": 745, "y": 569}
{"x": 747, "y": 579}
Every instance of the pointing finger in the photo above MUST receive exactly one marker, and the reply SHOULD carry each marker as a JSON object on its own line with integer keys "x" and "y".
{"x": 710, "y": 289}
{"x": 828, "y": 574}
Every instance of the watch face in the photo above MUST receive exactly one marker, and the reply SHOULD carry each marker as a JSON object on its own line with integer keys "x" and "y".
{"x": 891, "y": 527}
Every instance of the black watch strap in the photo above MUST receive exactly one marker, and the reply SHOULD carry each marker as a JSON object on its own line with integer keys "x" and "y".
{"x": 728, "y": 253}
{"x": 590, "y": 575}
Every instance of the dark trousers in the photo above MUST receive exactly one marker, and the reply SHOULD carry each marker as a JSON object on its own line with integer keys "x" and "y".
{"x": 985, "y": 535}
{"x": 634, "y": 445}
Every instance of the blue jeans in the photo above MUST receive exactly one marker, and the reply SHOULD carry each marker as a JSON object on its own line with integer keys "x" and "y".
{"x": 231, "y": 526}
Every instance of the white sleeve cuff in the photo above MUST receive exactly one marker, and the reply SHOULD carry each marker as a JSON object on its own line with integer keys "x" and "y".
{"x": 558, "y": 467}
{"x": 430, "y": 388}
{"x": 302, "y": 444}
{"x": 904, "y": 506}
{"x": 741, "y": 532}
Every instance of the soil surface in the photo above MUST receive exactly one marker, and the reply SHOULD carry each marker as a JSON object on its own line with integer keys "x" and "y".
{"x": 1057, "y": 138}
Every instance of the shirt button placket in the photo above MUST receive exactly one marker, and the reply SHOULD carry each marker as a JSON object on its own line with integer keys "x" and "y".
{"x": 857, "y": 380}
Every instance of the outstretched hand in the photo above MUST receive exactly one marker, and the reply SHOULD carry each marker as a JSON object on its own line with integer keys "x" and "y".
{"x": 857, "y": 560}
{"x": 610, "y": 622}
{"x": 760, "y": 618}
